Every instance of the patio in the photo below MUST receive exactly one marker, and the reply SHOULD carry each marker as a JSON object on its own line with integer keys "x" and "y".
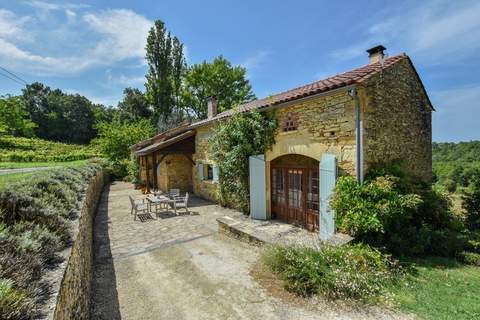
{"x": 180, "y": 267}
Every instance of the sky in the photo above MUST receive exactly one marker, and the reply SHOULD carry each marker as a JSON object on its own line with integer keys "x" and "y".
{"x": 96, "y": 48}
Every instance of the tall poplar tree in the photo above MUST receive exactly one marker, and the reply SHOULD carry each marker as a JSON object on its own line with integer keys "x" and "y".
{"x": 166, "y": 67}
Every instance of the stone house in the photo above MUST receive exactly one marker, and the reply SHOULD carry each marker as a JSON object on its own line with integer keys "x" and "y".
{"x": 341, "y": 125}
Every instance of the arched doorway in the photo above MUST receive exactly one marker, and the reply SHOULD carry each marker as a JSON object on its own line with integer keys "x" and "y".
{"x": 295, "y": 190}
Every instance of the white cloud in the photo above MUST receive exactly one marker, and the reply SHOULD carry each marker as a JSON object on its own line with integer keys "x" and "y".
{"x": 124, "y": 80}
{"x": 106, "y": 99}
{"x": 71, "y": 15}
{"x": 11, "y": 26}
{"x": 435, "y": 31}
{"x": 117, "y": 35}
{"x": 255, "y": 62}
{"x": 47, "y": 6}
{"x": 125, "y": 33}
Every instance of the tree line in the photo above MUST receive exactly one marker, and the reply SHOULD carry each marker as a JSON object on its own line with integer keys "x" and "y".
{"x": 456, "y": 165}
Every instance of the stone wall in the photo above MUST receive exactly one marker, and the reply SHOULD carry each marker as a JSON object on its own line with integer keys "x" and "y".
{"x": 73, "y": 294}
{"x": 176, "y": 170}
{"x": 206, "y": 189}
{"x": 397, "y": 120}
{"x": 325, "y": 125}
{"x": 173, "y": 172}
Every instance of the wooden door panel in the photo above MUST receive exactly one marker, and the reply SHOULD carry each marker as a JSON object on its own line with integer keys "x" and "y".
{"x": 294, "y": 196}
{"x": 312, "y": 200}
{"x": 278, "y": 194}
{"x": 295, "y": 203}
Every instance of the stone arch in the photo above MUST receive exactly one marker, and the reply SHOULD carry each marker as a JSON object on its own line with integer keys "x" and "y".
{"x": 294, "y": 159}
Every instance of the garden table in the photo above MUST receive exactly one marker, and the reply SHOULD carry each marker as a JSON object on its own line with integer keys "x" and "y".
{"x": 159, "y": 200}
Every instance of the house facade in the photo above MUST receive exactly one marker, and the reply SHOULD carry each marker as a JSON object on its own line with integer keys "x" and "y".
{"x": 377, "y": 113}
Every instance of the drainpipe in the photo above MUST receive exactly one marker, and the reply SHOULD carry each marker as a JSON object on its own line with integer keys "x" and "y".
{"x": 358, "y": 136}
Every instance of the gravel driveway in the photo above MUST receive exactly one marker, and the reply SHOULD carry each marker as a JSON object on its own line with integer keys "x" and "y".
{"x": 179, "y": 267}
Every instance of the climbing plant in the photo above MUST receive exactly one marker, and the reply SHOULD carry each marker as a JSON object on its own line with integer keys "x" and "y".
{"x": 234, "y": 141}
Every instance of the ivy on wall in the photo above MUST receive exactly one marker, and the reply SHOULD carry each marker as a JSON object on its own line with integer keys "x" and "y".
{"x": 234, "y": 141}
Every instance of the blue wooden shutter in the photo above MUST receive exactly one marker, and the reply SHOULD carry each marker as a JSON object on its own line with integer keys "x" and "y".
{"x": 215, "y": 173}
{"x": 200, "y": 171}
{"x": 258, "y": 200}
{"x": 328, "y": 178}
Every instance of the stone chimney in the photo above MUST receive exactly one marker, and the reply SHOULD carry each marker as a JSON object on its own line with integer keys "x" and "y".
{"x": 211, "y": 107}
{"x": 376, "y": 54}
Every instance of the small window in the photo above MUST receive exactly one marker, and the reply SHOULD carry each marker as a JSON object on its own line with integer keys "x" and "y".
{"x": 289, "y": 122}
{"x": 209, "y": 172}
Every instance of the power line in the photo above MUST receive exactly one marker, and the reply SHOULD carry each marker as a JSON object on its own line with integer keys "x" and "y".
{"x": 13, "y": 74}
{"x": 11, "y": 78}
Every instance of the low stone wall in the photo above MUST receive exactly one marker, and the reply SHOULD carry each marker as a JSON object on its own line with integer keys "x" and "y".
{"x": 73, "y": 293}
{"x": 258, "y": 232}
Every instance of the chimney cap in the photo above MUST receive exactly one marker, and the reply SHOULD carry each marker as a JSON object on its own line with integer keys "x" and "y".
{"x": 376, "y": 49}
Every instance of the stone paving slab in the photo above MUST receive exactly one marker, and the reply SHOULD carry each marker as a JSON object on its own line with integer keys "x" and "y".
{"x": 180, "y": 268}
{"x": 274, "y": 232}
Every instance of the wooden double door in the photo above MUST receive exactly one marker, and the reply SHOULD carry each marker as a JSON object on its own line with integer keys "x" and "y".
{"x": 295, "y": 195}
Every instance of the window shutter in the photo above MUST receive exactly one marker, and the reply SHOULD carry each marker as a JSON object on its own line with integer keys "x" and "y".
{"x": 258, "y": 194}
{"x": 328, "y": 178}
{"x": 200, "y": 171}
{"x": 215, "y": 173}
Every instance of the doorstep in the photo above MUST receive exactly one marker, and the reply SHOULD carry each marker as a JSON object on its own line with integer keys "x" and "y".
{"x": 260, "y": 232}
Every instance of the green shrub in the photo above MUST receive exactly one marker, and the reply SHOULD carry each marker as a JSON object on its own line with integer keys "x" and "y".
{"x": 435, "y": 209}
{"x": 373, "y": 207}
{"x": 35, "y": 222}
{"x": 13, "y": 303}
{"x": 234, "y": 141}
{"x": 471, "y": 204}
{"x": 471, "y": 258}
{"x": 133, "y": 170}
{"x": 350, "y": 271}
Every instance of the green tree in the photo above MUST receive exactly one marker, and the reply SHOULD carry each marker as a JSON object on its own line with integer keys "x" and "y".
{"x": 115, "y": 139}
{"x": 134, "y": 106}
{"x": 220, "y": 79}
{"x": 14, "y": 119}
{"x": 471, "y": 203}
{"x": 166, "y": 65}
{"x": 35, "y": 96}
{"x": 72, "y": 118}
{"x": 60, "y": 116}
{"x": 103, "y": 113}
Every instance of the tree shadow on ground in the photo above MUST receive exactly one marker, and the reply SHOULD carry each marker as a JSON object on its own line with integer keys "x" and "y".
{"x": 104, "y": 303}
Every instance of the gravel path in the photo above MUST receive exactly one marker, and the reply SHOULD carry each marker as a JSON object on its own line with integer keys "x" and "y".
{"x": 179, "y": 267}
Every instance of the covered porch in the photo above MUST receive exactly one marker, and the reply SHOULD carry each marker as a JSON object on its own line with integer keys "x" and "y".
{"x": 168, "y": 164}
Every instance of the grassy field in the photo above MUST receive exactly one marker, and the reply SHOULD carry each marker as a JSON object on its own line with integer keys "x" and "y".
{"x": 6, "y": 179}
{"x": 14, "y": 177}
{"x": 440, "y": 288}
{"x": 21, "y": 165}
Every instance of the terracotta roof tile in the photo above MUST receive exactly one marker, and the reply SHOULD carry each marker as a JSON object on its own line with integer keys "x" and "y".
{"x": 340, "y": 80}
{"x": 355, "y": 76}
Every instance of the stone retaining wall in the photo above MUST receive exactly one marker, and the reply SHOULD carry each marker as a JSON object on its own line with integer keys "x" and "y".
{"x": 73, "y": 294}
